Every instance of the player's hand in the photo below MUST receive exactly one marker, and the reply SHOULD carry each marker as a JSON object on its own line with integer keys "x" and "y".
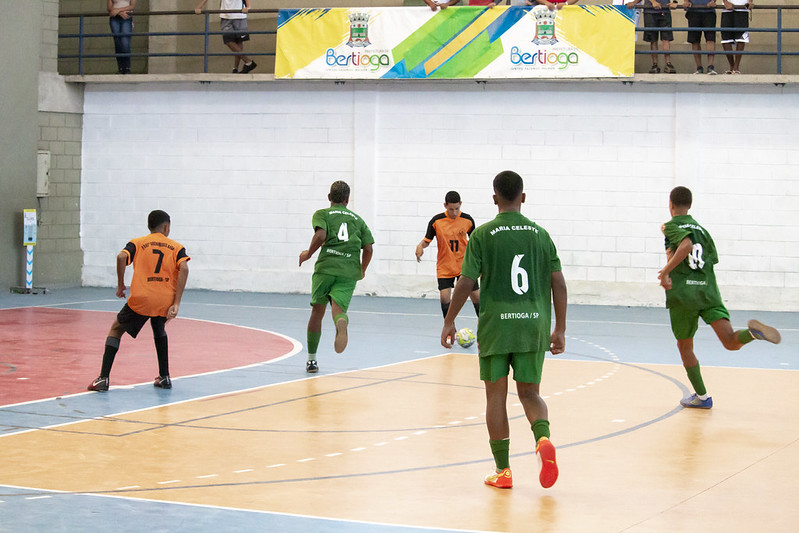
{"x": 665, "y": 280}
{"x": 447, "y": 335}
{"x": 304, "y": 256}
{"x": 557, "y": 342}
{"x": 121, "y": 291}
{"x": 172, "y": 312}
{"x": 419, "y": 253}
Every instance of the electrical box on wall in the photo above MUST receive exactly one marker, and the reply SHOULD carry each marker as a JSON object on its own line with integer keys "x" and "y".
{"x": 43, "y": 173}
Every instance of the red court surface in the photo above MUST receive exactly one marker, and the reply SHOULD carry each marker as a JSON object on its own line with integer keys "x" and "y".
{"x": 55, "y": 352}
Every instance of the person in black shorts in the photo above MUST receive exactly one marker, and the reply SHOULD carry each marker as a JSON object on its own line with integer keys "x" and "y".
{"x": 735, "y": 15}
{"x": 658, "y": 15}
{"x": 702, "y": 14}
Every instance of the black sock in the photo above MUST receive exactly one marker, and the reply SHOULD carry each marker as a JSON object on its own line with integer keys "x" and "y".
{"x": 111, "y": 348}
{"x": 162, "y": 351}
{"x": 444, "y": 309}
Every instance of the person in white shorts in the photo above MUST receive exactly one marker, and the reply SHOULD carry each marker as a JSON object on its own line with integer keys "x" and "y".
{"x": 440, "y": 4}
{"x": 735, "y": 15}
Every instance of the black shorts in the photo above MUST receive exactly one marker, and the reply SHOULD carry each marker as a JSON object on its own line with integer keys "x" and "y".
{"x": 701, "y": 19}
{"x": 658, "y": 20}
{"x": 132, "y": 322}
{"x": 449, "y": 283}
{"x": 734, "y": 19}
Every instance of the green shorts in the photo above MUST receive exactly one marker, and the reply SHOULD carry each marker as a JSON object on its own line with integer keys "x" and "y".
{"x": 325, "y": 288}
{"x": 527, "y": 366}
{"x": 685, "y": 322}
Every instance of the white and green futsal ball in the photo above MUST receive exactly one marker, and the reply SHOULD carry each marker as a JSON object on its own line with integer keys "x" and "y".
{"x": 465, "y": 337}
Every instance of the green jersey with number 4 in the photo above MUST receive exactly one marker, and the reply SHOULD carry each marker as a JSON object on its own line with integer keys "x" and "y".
{"x": 693, "y": 282}
{"x": 347, "y": 233}
{"x": 514, "y": 259}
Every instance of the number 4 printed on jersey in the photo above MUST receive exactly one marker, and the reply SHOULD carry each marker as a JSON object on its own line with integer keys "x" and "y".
{"x": 343, "y": 233}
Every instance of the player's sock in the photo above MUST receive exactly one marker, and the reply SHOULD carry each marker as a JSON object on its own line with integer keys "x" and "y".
{"x": 744, "y": 336}
{"x": 313, "y": 343}
{"x": 695, "y": 377}
{"x": 476, "y": 308}
{"x": 500, "y": 449}
{"x": 111, "y": 348}
{"x": 444, "y": 308}
{"x": 540, "y": 429}
{"x": 162, "y": 352}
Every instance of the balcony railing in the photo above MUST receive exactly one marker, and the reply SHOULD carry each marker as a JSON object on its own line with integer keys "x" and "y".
{"x": 85, "y": 47}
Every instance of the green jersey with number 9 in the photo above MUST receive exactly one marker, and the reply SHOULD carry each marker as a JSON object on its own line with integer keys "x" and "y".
{"x": 514, "y": 259}
{"x": 693, "y": 282}
{"x": 347, "y": 233}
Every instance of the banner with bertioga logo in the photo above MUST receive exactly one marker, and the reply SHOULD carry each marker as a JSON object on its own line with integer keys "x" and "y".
{"x": 457, "y": 42}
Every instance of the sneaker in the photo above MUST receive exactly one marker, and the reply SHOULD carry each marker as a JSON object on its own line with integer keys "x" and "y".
{"x": 711, "y": 70}
{"x": 696, "y": 402}
{"x": 763, "y": 332}
{"x": 700, "y": 70}
{"x": 669, "y": 69}
{"x": 655, "y": 69}
{"x": 549, "y": 468}
{"x": 311, "y": 367}
{"x": 100, "y": 385}
{"x": 235, "y": 71}
{"x": 248, "y": 68}
{"x": 500, "y": 480}
{"x": 162, "y": 382}
{"x": 341, "y": 334}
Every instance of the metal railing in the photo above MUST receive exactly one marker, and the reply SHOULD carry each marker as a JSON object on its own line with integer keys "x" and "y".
{"x": 779, "y": 30}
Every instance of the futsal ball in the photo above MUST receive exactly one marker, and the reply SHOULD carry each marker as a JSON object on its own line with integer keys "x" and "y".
{"x": 465, "y": 337}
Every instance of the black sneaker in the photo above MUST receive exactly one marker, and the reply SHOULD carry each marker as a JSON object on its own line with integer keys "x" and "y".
{"x": 235, "y": 71}
{"x": 162, "y": 382}
{"x": 700, "y": 70}
{"x": 248, "y": 68}
{"x": 711, "y": 70}
{"x": 669, "y": 69}
{"x": 100, "y": 385}
{"x": 654, "y": 70}
{"x": 311, "y": 367}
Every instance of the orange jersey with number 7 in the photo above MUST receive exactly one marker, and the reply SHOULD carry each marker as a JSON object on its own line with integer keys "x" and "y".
{"x": 155, "y": 259}
{"x": 451, "y": 239}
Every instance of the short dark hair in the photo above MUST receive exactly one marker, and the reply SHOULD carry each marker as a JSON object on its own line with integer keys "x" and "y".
{"x": 508, "y": 185}
{"x": 681, "y": 196}
{"x": 156, "y": 218}
{"x": 452, "y": 197}
{"x": 339, "y": 192}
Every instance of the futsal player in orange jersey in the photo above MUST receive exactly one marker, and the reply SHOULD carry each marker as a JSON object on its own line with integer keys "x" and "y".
{"x": 451, "y": 229}
{"x": 160, "y": 271}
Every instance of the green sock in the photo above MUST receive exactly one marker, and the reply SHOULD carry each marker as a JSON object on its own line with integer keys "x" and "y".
{"x": 540, "y": 429}
{"x": 501, "y": 451}
{"x": 695, "y": 377}
{"x": 744, "y": 336}
{"x": 313, "y": 343}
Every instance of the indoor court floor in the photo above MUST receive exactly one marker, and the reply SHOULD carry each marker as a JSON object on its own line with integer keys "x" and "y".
{"x": 389, "y": 437}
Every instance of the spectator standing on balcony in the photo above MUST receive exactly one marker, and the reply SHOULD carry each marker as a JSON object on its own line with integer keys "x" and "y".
{"x": 121, "y": 22}
{"x": 234, "y": 26}
{"x": 440, "y": 4}
{"x": 556, "y": 4}
{"x": 658, "y": 15}
{"x": 735, "y": 15}
{"x": 702, "y": 14}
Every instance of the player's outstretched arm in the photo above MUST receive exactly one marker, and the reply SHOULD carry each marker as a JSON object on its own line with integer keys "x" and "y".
{"x": 557, "y": 341}
{"x": 183, "y": 275}
{"x": 122, "y": 263}
{"x": 366, "y": 258}
{"x": 459, "y": 296}
{"x": 317, "y": 241}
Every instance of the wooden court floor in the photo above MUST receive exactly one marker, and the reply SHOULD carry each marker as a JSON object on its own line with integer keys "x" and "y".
{"x": 401, "y": 445}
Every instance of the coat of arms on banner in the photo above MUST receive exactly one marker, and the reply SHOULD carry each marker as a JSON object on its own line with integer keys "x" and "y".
{"x": 544, "y": 25}
{"x": 359, "y": 30}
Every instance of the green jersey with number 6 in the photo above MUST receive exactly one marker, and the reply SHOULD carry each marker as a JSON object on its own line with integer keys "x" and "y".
{"x": 514, "y": 259}
{"x": 347, "y": 233}
{"x": 693, "y": 282}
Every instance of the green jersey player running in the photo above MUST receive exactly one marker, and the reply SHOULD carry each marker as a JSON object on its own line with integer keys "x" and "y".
{"x": 692, "y": 292}
{"x": 346, "y": 250}
{"x": 521, "y": 278}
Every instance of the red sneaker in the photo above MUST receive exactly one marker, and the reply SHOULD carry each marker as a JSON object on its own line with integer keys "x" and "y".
{"x": 549, "y": 468}
{"x": 501, "y": 480}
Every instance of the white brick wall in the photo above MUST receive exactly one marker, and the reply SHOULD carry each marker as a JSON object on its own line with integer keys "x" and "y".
{"x": 241, "y": 168}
